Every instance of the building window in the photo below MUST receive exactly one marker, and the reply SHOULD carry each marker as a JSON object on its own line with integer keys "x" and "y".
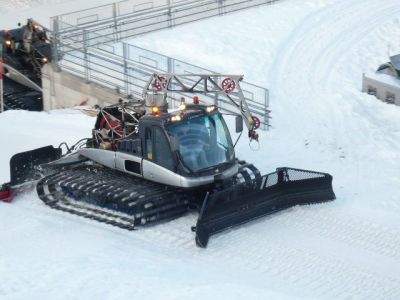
{"x": 371, "y": 90}
{"x": 390, "y": 97}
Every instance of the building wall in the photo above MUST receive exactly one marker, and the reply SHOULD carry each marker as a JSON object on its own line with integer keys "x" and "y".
{"x": 66, "y": 90}
{"x": 382, "y": 90}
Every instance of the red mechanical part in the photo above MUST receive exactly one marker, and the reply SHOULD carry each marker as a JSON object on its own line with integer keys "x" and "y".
{"x": 228, "y": 85}
{"x": 109, "y": 122}
{"x": 160, "y": 83}
{"x": 6, "y": 195}
{"x": 253, "y": 135}
{"x": 257, "y": 122}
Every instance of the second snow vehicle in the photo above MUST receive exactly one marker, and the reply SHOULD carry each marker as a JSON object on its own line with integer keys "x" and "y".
{"x": 144, "y": 164}
{"x": 25, "y": 50}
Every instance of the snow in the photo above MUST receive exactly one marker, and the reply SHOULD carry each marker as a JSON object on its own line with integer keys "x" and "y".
{"x": 311, "y": 54}
{"x": 385, "y": 78}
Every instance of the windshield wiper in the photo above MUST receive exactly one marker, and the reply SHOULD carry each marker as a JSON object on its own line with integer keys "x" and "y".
{"x": 214, "y": 167}
{"x": 180, "y": 159}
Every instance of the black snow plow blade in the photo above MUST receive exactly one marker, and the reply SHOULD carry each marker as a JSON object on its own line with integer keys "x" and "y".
{"x": 23, "y": 166}
{"x": 271, "y": 193}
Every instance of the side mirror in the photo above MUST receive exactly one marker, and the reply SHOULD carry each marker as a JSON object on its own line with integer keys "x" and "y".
{"x": 239, "y": 124}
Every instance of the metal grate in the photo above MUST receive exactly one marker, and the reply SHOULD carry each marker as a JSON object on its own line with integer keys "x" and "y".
{"x": 287, "y": 175}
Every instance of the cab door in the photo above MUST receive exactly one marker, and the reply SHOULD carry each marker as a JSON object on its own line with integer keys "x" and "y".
{"x": 159, "y": 163}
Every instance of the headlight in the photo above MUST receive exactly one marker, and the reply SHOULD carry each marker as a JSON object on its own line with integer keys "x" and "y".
{"x": 176, "y": 118}
{"x": 211, "y": 108}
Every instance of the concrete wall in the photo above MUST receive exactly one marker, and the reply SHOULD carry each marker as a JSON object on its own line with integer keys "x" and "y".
{"x": 66, "y": 90}
{"x": 382, "y": 88}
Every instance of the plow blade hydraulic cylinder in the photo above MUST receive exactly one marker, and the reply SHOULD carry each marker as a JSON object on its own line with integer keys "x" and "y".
{"x": 273, "y": 192}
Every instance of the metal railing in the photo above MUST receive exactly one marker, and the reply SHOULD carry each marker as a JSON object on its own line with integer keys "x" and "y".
{"x": 126, "y": 19}
{"x": 87, "y": 46}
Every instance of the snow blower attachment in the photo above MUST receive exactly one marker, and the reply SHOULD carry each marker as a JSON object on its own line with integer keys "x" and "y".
{"x": 144, "y": 165}
{"x": 26, "y": 49}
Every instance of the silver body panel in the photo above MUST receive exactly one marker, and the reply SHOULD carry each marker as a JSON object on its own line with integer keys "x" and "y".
{"x": 120, "y": 159}
{"x": 69, "y": 159}
{"x": 198, "y": 181}
{"x": 154, "y": 172}
{"x": 103, "y": 157}
{"x": 149, "y": 170}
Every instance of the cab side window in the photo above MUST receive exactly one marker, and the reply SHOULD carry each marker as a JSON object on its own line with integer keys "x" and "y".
{"x": 162, "y": 150}
{"x": 149, "y": 144}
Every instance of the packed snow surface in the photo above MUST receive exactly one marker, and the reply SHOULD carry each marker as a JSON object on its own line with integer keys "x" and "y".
{"x": 311, "y": 55}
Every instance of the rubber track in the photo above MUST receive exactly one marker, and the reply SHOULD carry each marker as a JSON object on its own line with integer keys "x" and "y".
{"x": 20, "y": 97}
{"x": 118, "y": 199}
{"x": 113, "y": 198}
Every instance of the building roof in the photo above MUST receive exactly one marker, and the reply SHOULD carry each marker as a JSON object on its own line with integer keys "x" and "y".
{"x": 395, "y": 61}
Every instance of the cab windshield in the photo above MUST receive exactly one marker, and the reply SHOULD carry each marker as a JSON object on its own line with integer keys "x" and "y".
{"x": 203, "y": 142}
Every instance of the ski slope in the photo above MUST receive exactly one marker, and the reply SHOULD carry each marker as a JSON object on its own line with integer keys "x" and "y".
{"x": 311, "y": 55}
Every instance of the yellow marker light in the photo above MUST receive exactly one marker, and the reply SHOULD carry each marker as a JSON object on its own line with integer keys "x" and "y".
{"x": 210, "y": 108}
{"x": 8, "y": 43}
{"x": 176, "y": 118}
{"x": 155, "y": 110}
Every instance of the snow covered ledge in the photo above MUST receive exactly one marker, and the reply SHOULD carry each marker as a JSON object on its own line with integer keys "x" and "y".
{"x": 382, "y": 86}
{"x": 62, "y": 90}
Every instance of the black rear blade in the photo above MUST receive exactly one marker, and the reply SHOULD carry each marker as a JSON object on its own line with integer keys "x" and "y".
{"x": 23, "y": 166}
{"x": 271, "y": 193}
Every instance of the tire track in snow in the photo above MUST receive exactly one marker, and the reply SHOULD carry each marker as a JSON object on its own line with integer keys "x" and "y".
{"x": 270, "y": 256}
{"x": 316, "y": 276}
{"x": 274, "y": 256}
{"x": 258, "y": 249}
{"x": 353, "y": 231}
{"x": 303, "y": 74}
{"x": 354, "y": 128}
{"x": 310, "y": 74}
{"x": 332, "y": 37}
